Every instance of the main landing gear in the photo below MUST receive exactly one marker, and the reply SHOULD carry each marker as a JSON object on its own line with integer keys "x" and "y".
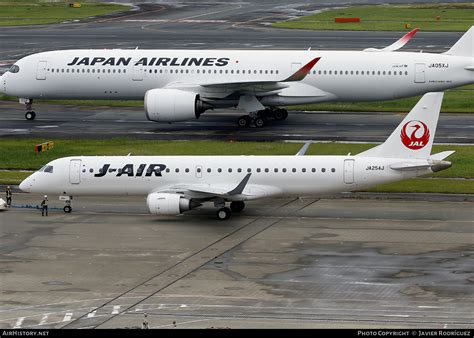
{"x": 30, "y": 115}
{"x": 260, "y": 118}
{"x": 224, "y": 212}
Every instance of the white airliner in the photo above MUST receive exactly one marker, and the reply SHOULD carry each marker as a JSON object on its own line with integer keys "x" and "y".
{"x": 175, "y": 184}
{"x": 179, "y": 85}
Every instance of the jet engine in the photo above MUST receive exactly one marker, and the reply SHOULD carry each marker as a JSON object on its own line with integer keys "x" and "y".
{"x": 173, "y": 105}
{"x": 169, "y": 204}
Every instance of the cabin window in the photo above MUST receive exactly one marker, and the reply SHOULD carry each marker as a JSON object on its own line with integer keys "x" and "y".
{"x": 187, "y": 170}
{"x": 91, "y": 170}
{"x": 323, "y": 170}
{"x": 239, "y": 170}
{"x": 249, "y": 170}
{"x": 313, "y": 170}
{"x": 266, "y": 170}
{"x": 406, "y": 73}
{"x": 176, "y": 170}
{"x": 229, "y": 170}
{"x": 219, "y": 170}
{"x": 333, "y": 170}
{"x": 275, "y": 170}
{"x": 167, "y": 170}
{"x": 284, "y": 170}
{"x": 258, "y": 170}
{"x": 208, "y": 170}
{"x": 303, "y": 170}
{"x": 293, "y": 170}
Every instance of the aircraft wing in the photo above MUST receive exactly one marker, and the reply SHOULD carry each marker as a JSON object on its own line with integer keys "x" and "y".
{"x": 396, "y": 45}
{"x": 227, "y": 191}
{"x": 219, "y": 90}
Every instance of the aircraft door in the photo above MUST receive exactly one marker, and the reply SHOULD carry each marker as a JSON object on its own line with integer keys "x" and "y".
{"x": 419, "y": 73}
{"x": 75, "y": 172}
{"x": 295, "y": 66}
{"x": 199, "y": 171}
{"x": 349, "y": 171}
{"x": 137, "y": 73}
{"x": 41, "y": 70}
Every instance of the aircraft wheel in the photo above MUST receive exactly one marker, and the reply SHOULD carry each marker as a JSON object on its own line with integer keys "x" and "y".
{"x": 243, "y": 121}
{"x": 237, "y": 206}
{"x": 223, "y": 213}
{"x": 259, "y": 122}
{"x": 281, "y": 114}
{"x": 30, "y": 115}
{"x": 67, "y": 209}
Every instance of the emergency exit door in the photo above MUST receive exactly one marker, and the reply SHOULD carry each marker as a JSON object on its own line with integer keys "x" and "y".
{"x": 41, "y": 70}
{"x": 348, "y": 171}
{"x": 75, "y": 172}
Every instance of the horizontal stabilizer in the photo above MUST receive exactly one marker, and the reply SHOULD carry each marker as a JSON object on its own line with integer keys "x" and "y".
{"x": 434, "y": 165}
{"x": 442, "y": 155}
{"x": 396, "y": 45}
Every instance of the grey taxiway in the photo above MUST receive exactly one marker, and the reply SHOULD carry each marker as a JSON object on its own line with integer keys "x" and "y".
{"x": 281, "y": 263}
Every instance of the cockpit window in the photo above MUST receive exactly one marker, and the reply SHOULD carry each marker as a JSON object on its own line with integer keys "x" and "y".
{"x": 14, "y": 69}
{"x": 48, "y": 169}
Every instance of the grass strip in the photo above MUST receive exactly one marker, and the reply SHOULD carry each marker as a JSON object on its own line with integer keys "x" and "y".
{"x": 427, "y": 17}
{"x": 17, "y": 13}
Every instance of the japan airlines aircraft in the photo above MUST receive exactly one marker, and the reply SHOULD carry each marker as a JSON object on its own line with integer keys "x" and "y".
{"x": 180, "y": 85}
{"x": 175, "y": 184}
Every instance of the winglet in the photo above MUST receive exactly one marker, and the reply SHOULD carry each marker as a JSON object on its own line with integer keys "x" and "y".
{"x": 397, "y": 44}
{"x": 303, "y": 149}
{"x": 301, "y": 73}
{"x": 238, "y": 189}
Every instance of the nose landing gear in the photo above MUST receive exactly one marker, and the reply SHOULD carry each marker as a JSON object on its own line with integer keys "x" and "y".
{"x": 30, "y": 114}
{"x": 67, "y": 200}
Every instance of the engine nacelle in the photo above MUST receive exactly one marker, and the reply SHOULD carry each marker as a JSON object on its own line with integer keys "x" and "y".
{"x": 169, "y": 204}
{"x": 173, "y": 105}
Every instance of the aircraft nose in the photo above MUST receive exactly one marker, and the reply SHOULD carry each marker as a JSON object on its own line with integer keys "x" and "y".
{"x": 25, "y": 185}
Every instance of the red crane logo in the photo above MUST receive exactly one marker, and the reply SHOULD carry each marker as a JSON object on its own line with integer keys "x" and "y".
{"x": 419, "y": 135}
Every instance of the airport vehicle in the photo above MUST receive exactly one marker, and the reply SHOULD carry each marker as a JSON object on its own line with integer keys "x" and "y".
{"x": 175, "y": 184}
{"x": 3, "y": 204}
{"x": 180, "y": 85}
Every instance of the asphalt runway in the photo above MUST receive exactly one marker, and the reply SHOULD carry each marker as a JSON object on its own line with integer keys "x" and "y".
{"x": 282, "y": 263}
{"x": 57, "y": 121}
{"x": 204, "y": 25}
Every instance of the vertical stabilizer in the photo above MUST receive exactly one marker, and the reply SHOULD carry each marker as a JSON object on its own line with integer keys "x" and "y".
{"x": 414, "y": 137}
{"x": 464, "y": 46}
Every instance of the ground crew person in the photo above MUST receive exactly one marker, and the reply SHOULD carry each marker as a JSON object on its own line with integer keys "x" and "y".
{"x": 145, "y": 322}
{"x": 9, "y": 196}
{"x": 44, "y": 205}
